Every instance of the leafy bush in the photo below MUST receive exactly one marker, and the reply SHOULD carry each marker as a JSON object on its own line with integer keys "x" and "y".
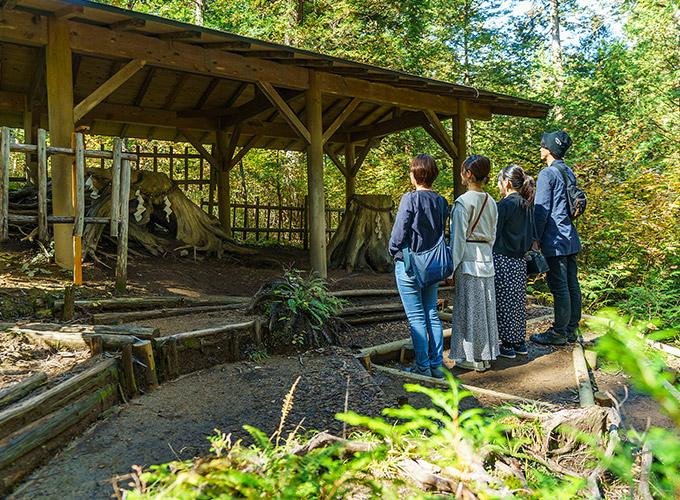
{"x": 299, "y": 310}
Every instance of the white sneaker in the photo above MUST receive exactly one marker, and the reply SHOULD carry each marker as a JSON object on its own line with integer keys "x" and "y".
{"x": 477, "y": 366}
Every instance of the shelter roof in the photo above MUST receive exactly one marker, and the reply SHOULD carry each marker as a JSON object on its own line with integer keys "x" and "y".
{"x": 196, "y": 79}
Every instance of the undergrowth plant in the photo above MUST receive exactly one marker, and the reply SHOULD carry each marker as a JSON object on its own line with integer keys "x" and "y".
{"x": 299, "y": 310}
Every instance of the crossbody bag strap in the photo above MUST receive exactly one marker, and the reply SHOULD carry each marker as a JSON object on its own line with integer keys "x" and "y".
{"x": 479, "y": 216}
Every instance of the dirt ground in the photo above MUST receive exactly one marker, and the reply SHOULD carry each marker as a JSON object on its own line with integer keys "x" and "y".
{"x": 173, "y": 421}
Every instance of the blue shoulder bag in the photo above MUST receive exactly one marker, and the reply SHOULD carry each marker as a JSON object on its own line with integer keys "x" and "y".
{"x": 430, "y": 266}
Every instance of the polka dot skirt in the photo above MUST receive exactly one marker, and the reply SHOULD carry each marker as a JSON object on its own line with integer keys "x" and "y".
{"x": 511, "y": 298}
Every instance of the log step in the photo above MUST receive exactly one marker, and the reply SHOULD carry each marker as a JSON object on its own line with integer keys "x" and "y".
{"x": 17, "y": 391}
{"x": 135, "y": 303}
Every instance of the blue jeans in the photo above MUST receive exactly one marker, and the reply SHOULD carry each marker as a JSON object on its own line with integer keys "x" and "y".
{"x": 563, "y": 283}
{"x": 420, "y": 305}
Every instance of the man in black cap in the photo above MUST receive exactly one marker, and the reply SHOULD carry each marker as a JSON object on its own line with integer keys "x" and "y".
{"x": 558, "y": 239}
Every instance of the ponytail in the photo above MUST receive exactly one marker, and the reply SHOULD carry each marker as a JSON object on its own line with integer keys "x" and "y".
{"x": 521, "y": 182}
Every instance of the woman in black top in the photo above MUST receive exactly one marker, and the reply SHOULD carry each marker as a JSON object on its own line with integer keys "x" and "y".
{"x": 514, "y": 237}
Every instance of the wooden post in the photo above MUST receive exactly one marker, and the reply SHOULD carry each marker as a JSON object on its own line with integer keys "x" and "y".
{"x": 315, "y": 186}
{"x": 121, "y": 264}
{"x": 223, "y": 187}
{"x": 458, "y": 134}
{"x": 115, "y": 185}
{"x": 4, "y": 184}
{"x": 42, "y": 186}
{"x": 350, "y": 179}
{"x": 96, "y": 345}
{"x": 29, "y": 138}
{"x": 128, "y": 371}
{"x": 59, "y": 79}
{"x": 79, "y": 207}
{"x": 69, "y": 309}
{"x": 305, "y": 224}
{"x": 144, "y": 353}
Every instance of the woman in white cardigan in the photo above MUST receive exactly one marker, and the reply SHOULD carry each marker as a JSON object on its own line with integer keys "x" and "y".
{"x": 474, "y": 342}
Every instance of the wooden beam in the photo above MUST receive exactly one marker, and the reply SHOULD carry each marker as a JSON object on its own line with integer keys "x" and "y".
{"x": 237, "y": 93}
{"x": 458, "y": 134}
{"x": 406, "y": 121}
{"x": 307, "y": 63}
{"x": 333, "y": 127}
{"x": 127, "y": 24}
{"x": 363, "y": 153}
{"x": 350, "y": 180}
{"x": 476, "y": 111}
{"x": 222, "y": 172}
{"x": 334, "y": 158}
{"x": 231, "y": 148}
{"x": 68, "y": 12}
{"x": 141, "y": 94}
{"x": 285, "y": 110}
{"x": 180, "y": 35}
{"x": 244, "y": 150}
{"x": 207, "y": 93}
{"x": 11, "y": 101}
{"x": 439, "y": 134}
{"x": 37, "y": 77}
{"x": 106, "y": 88}
{"x": 199, "y": 147}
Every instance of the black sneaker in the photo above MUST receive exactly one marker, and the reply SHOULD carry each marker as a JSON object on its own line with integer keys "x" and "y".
{"x": 437, "y": 372}
{"x": 507, "y": 352}
{"x": 521, "y": 349}
{"x": 573, "y": 337}
{"x": 548, "y": 337}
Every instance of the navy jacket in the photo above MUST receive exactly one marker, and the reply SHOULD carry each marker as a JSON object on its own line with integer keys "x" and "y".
{"x": 418, "y": 224}
{"x": 515, "y": 227}
{"x": 555, "y": 231}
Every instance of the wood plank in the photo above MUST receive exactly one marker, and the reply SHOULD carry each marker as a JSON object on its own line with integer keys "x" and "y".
{"x": 226, "y": 45}
{"x": 68, "y": 12}
{"x": 9, "y": 4}
{"x": 11, "y": 101}
{"x": 140, "y": 332}
{"x": 107, "y": 88}
{"x": 180, "y": 35}
{"x": 333, "y": 127}
{"x": 285, "y": 110}
{"x": 176, "y": 91}
{"x": 79, "y": 187}
{"x": 207, "y": 93}
{"x": 199, "y": 147}
{"x": 127, "y": 24}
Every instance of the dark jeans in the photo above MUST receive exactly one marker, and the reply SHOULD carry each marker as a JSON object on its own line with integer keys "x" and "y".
{"x": 563, "y": 284}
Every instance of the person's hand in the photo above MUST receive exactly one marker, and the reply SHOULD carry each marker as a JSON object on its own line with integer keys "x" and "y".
{"x": 450, "y": 281}
{"x": 534, "y": 246}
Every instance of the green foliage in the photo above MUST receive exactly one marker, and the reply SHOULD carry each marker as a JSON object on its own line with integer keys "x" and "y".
{"x": 299, "y": 309}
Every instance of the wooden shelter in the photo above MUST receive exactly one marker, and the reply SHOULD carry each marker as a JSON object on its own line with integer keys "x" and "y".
{"x": 66, "y": 64}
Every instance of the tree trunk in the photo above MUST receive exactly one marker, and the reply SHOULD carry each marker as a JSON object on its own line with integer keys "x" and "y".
{"x": 556, "y": 53}
{"x": 362, "y": 238}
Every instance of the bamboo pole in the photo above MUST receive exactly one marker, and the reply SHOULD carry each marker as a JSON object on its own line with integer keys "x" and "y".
{"x": 42, "y": 186}
{"x": 17, "y": 391}
{"x": 121, "y": 264}
{"x": 369, "y": 292}
{"x": 378, "y": 318}
{"x": 4, "y": 183}
{"x": 144, "y": 353}
{"x": 115, "y": 186}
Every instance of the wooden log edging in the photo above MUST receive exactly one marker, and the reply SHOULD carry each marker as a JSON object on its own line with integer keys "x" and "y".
{"x": 123, "y": 317}
{"x": 377, "y": 292}
{"x": 206, "y": 332}
{"x": 17, "y": 391}
{"x": 113, "y": 335}
{"x": 135, "y": 303}
{"x": 17, "y": 416}
{"x": 585, "y": 388}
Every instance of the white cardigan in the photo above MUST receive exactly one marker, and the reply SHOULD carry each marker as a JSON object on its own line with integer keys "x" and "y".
{"x": 476, "y": 255}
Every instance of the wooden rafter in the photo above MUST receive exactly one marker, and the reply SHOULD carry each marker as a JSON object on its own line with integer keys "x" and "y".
{"x": 199, "y": 147}
{"x": 106, "y": 88}
{"x": 180, "y": 35}
{"x": 285, "y": 110}
{"x": 140, "y": 95}
{"x": 226, "y": 45}
{"x": 438, "y": 133}
{"x": 334, "y": 158}
{"x": 363, "y": 153}
{"x": 176, "y": 91}
{"x": 233, "y": 144}
{"x": 207, "y": 93}
{"x": 69, "y": 12}
{"x": 406, "y": 121}
{"x": 127, "y": 24}
{"x": 77, "y": 61}
{"x": 244, "y": 150}
{"x": 268, "y": 54}
{"x": 307, "y": 63}
{"x": 234, "y": 97}
{"x": 333, "y": 127}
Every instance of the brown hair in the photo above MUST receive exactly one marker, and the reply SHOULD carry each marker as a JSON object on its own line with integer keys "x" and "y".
{"x": 479, "y": 165}
{"x": 424, "y": 170}
{"x": 521, "y": 182}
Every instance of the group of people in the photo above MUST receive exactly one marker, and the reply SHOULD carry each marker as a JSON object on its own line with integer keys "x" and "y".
{"x": 489, "y": 242}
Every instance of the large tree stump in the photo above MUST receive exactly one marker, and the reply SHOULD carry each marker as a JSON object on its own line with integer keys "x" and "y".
{"x": 156, "y": 201}
{"x": 363, "y": 235}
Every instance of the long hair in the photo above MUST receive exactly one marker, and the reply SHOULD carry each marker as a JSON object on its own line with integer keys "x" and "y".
{"x": 521, "y": 182}
{"x": 479, "y": 165}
